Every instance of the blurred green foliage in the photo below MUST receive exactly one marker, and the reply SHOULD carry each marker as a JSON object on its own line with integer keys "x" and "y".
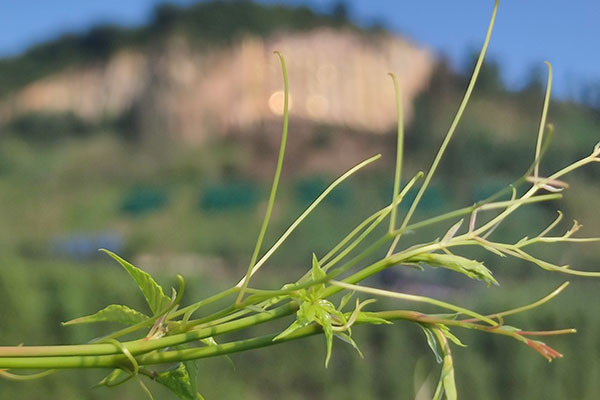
{"x": 397, "y": 361}
{"x": 309, "y": 188}
{"x": 80, "y": 186}
{"x": 43, "y": 128}
{"x": 228, "y": 195}
{"x": 143, "y": 199}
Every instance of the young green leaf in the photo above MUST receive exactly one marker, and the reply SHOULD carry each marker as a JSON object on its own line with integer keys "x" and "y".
{"x": 325, "y": 321}
{"x": 433, "y": 343}
{"x": 113, "y": 313}
{"x": 370, "y": 318}
{"x": 509, "y": 328}
{"x": 191, "y": 366}
{"x": 345, "y": 300}
{"x": 317, "y": 273}
{"x": 306, "y": 313}
{"x": 178, "y": 380}
{"x": 290, "y": 329}
{"x": 192, "y": 370}
{"x": 348, "y": 339}
{"x": 115, "y": 378}
{"x": 152, "y": 291}
{"x": 256, "y": 309}
{"x": 445, "y": 315}
{"x": 494, "y": 250}
{"x": 471, "y": 268}
{"x": 446, "y": 331}
{"x": 451, "y": 232}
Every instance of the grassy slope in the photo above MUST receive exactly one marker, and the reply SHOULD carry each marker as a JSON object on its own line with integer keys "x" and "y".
{"x": 79, "y": 185}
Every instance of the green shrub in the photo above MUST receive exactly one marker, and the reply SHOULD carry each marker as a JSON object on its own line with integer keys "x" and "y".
{"x": 46, "y": 128}
{"x": 144, "y": 199}
{"x": 228, "y": 195}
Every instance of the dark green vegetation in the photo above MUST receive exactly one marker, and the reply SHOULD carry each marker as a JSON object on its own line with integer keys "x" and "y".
{"x": 395, "y": 356}
{"x": 156, "y": 198}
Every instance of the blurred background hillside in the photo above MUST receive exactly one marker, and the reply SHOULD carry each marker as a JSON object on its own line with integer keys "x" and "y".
{"x": 159, "y": 142}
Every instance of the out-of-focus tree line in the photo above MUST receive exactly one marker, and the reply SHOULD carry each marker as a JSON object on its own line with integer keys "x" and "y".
{"x": 205, "y": 24}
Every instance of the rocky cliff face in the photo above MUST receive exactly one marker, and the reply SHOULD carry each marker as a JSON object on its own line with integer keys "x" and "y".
{"x": 91, "y": 92}
{"x": 337, "y": 78}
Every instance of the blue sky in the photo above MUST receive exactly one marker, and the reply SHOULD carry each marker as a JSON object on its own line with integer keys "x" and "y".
{"x": 527, "y": 31}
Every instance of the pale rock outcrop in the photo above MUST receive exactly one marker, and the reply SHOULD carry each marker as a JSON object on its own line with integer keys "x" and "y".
{"x": 336, "y": 78}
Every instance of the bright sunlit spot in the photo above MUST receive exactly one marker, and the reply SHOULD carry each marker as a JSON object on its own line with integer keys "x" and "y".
{"x": 276, "y": 102}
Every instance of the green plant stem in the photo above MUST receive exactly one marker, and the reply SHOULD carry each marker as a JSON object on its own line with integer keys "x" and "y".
{"x": 140, "y": 346}
{"x": 439, "y": 391}
{"x": 538, "y": 145}
{"x": 374, "y": 220}
{"x": 265, "y": 223}
{"x": 390, "y": 261}
{"x": 149, "y": 322}
{"x": 196, "y": 306}
{"x": 143, "y": 346}
{"x": 447, "y": 374}
{"x": 467, "y": 210}
{"x": 302, "y": 283}
{"x": 452, "y": 128}
{"x": 370, "y": 228}
{"x": 307, "y": 212}
{"x": 410, "y": 297}
{"x": 399, "y": 151}
{"x": 359, "y": 228}
{"x": 30, "y": 377}
{"x": 118, "y": 360}
{"x": 531, "y": 192}
{"x": 527, "y": 307}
